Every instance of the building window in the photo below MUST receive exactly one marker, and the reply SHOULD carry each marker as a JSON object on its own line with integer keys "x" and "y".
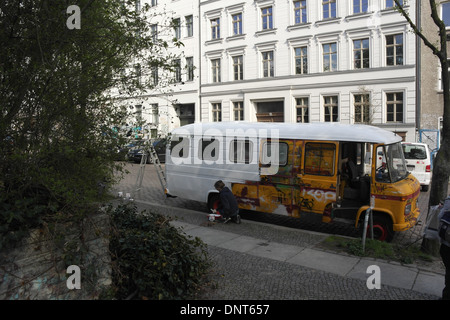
{"x": 330, "y": 57}
{"x": 394, "y": 107}
{"x": 391, "y": 3}
{"x": 215, "y": 28}
{"x": 330, "y": 105}
{"x": 190, "y": 68}
{"x": 445, "y": 13}
{"x": 176, "y": 28}
{"x": 301, "y": 60}
{"x": 360, "y": 6}
{"x": 300, "y": 13}
{"x": 137, "y": 5}
{"x": 138, "y": 74}
{"x": 238, "y": 110}
{"x": 138, "y": 113}
{"x": 362, "y": 106}
{"x": 217, "y": 112}
{"x": 302, "y": 110}
{"x": 238, "y": 67}
{"x": 267, "y": 21}
{"x": 394, "y": 50}
{"x": 361, "y": 53}
{"x": 329, "y": 9}
{"x": 237, "y": 24}
{"x": 177, "y": 64}
{"x": 154, "y": 114}
{"x": 154, "y": 75}
{"x": 189, "y": 26}
{"x": 267, "y": 64}
{"x": 154, "y": 32}
{"x": 153, "y": 3}
{"x": 215, "y": 68}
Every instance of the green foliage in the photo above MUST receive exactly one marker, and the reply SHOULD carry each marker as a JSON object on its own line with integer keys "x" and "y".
{"x": 57, "y": 109}
{"x": 153, "y": 259}
{"x": 377, "y": 249}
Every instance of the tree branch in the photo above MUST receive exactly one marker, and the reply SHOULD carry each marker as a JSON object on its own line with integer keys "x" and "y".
{"x": 436, "y": 51}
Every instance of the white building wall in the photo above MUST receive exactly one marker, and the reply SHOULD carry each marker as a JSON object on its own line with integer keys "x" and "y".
{"x": 379, "y": 80}
{"x": 166, "y": 98}
{"x": 285, "y": 86}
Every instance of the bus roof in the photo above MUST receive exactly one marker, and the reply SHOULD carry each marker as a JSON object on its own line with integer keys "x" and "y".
{"x": 301, "y": 131}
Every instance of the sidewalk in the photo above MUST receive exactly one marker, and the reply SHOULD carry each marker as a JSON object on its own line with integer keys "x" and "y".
{"x": 235, "y": 250}
{"x": 395, "y": 275}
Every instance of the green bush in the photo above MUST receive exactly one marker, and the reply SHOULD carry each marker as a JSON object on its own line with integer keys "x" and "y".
{"x": 151, "y": 259}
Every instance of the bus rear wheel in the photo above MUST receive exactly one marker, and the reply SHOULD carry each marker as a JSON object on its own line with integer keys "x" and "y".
{"x": 382, "y": 228}
{"x": 213, "y": 201}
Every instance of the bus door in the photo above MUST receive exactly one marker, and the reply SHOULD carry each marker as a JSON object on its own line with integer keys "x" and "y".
{"x": 297, "y": 188}
{"x": 275, "y": 187}
{"x": 317, "y": 178}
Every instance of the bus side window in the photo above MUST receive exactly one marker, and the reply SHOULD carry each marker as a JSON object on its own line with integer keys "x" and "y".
{"x": 320, "y": 159}
{"x": 241, "y": 151}
{"x": 179, "y": 147}
{"x": 209, "y": 149}
{"x": 280, "y": 159}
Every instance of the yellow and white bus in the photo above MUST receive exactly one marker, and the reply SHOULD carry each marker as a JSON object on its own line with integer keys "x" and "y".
{"x": 285, "y": 168}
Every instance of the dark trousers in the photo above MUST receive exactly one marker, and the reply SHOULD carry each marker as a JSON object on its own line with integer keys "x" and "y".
{"x": 445, "y": 254}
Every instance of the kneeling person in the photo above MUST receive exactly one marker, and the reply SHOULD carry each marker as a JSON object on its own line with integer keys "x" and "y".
{"x": 228, "y": 207}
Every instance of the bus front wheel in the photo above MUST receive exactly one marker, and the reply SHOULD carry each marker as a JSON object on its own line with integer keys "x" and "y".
{"x": 382, "y": 228}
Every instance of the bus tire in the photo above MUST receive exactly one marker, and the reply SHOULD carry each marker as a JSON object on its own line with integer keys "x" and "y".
{"x": 213, "y": 201}
{"x": 382, "y": 228}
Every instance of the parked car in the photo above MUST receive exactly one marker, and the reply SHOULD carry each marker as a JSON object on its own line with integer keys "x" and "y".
{"x": 137, "y": 151}
{"x": 418, "y": 162}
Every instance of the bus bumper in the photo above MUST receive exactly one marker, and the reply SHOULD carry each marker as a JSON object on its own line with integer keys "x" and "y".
{"x": 410, "y": 221}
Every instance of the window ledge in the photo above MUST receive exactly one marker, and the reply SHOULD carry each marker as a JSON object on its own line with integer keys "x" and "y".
{"x": 214, "y": 41}
{"x": 328, "y": 21}
{"x": 264, "y": 32}
{"x": 299, "y": 26}
{"x": 236, "y": 37}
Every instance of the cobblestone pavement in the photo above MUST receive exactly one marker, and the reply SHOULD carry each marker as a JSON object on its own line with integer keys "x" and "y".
{"x": 238, "y": 276}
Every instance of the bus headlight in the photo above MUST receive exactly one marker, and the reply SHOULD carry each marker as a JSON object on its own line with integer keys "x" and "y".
{"x": 408, "y": 209}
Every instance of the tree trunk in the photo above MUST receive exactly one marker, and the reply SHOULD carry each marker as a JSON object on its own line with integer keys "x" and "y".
{"x": 441, "y": 167}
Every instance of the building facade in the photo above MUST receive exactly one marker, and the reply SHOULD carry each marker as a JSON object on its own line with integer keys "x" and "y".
{"x": 348, "y": 61}
{"x": 173, "y": 99}
{"x": 430, "y": 89}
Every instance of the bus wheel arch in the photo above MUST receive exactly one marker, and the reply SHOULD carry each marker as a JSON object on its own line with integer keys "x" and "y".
{"x": 213, "y": 200}
{"x": 383, "y": 226}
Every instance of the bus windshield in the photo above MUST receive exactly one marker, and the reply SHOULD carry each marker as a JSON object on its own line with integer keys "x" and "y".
{"x": 391, "y": 164}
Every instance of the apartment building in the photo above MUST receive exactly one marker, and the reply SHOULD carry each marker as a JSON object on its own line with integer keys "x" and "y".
{"x": 173, "y": 99}
{"x": 349, "y": 61}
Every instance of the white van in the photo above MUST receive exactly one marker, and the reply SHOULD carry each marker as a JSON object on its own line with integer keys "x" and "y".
{"x": 418, "y": 162}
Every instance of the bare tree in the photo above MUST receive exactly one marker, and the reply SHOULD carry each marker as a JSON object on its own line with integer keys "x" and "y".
{"x": 441, "y": 169}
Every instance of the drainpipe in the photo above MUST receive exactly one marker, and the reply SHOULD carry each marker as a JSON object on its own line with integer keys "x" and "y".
{"x": 418, "y": 67}
{"x": 199, "y": 99}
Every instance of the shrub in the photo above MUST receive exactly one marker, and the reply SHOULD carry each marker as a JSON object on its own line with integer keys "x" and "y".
{"x": 151, "y": 259}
